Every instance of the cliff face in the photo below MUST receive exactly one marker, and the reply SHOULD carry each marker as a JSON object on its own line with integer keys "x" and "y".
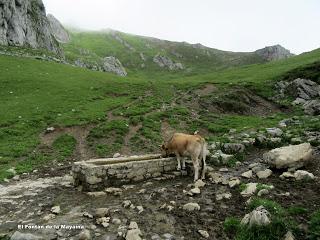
{"x": 275, "y": 52}
{"x": 24, "y": 23}
{"x": 58, "y": 31}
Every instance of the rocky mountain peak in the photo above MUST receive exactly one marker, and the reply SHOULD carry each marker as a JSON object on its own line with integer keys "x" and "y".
{"x": 24, "y": 23}
{"x": 275, "y": 52}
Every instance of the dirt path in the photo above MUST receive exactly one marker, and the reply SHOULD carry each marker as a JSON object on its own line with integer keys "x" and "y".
{"x": 29, "y": 201}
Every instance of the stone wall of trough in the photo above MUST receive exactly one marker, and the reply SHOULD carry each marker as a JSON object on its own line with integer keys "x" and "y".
{"x": 93, "y": 176}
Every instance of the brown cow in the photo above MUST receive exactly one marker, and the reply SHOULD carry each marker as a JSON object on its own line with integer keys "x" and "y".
{"x": 182, "y": 145}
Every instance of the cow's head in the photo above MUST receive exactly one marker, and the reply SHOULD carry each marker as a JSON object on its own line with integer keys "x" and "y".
{"x": 164, "y": 150}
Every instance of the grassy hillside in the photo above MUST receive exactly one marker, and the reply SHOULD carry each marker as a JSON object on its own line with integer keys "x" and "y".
{"x": 119, "y": 111}
{"x": 136, "y": 53}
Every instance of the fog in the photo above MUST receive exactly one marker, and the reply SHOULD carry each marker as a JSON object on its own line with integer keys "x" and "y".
{"x": 233, "y": 25}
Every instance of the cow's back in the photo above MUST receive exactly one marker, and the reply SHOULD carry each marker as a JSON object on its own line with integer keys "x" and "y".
{"x": 184, "y": 143}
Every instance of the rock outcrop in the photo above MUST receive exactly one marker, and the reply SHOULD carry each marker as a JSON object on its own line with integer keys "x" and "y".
{"x": 112, "y": 64}
{"x": 24, "y": 23}
{"x": 166, "y": 62}
{"x": 58, "y": 31}
{"x": 275, "y": 52}
{"x": 306, "y": 92}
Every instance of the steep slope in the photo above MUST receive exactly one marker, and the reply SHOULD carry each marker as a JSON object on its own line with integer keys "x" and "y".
{"x": 36, "y": 95}
{"x": 24, "y": 23}
{"x": 150, "y": 55}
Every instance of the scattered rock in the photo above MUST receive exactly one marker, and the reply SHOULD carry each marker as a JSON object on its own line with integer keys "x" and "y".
{"x": 85, "y": 235}
{"x": 140, "y": 209}
{"x": 223, "y": 170}
{"x": 289, "y": 156}
{"x": 103, "y": 221}
{"x": 233, "y": 148}
{"x": 263, "y": 192}
{"x": 101, "y": 212}
{"x": 289, "y": 236}
{"x": 126, "y": 203}
{"x": 96, "y": 194}
{"x": 221, "y": 196}
{"x": 303, "y": 175}
{"x": 191, "y": 207}
{"x": 88, "y": 215}
{"x": 116, "y": 221}
{"x": 56, "y": 209}
{"x": 220, "y": 158}
{"x": 259, "y": 216}
{"x": 134, "y": 232}
{"x": 250, "y": 189}
{"x": 234, "y": 182}
{"x": 24, "y": 236}
{"x": 312, "y": 107}
{"x": 199, "y": 184}
{"x": 286, "y": 175}
{"x": 116, "y": 155}
{"x": 203, "y": 233}
{"x": 274, "y": 132}
{"x": 264, "y": 174}
{"x": 114, "y": 191}
{"x": 195, "y": 190}
{"x": 247, "y": 174}
{"x": 49, "y": 217}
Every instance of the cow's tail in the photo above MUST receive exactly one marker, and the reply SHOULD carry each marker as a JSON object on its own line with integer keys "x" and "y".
{"x": 204, "y": 152}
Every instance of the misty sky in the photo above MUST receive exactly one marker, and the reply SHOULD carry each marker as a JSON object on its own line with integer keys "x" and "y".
{"x": 235, "y": 25}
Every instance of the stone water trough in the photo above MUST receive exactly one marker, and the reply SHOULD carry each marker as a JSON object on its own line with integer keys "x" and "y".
{"x": 96, "y": 174}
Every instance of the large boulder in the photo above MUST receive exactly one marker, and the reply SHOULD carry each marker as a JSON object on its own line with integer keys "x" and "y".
{"x": 258, "y": 217}
{"x": 58, "y": 31}
{"x": 290, "y": 156}
{"x": 112, "y": 64}
{"x": 24, "y": 23}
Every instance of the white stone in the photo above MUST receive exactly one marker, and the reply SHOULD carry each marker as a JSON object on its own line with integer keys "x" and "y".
{"x": 289, "y": 236}
{"x": 195, "y": 190}
{"x": 85, "y": 235}
{"x": 303, "y": 175}
{"x": 223, "y": 196}
{"x": 56, "y": 209}
{"x": 289, "y": 156}
{"x": 199, "y": 184}
{"x": 247, "y": 174}
{"x": 140, "y": 209}
{"x": 263, "y": 192}
{"x": 204, "y": 233}
{"x": 259, "y": 216}
{"x": 234, "y": 182}
{"x": 264, "y": 174}
{"x": 250, "y": 189}
{"x": 191, "y": 207}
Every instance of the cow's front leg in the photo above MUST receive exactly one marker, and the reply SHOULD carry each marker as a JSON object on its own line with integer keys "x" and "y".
{"x": 195, "y": 162}
{"x": 179, "y": 162}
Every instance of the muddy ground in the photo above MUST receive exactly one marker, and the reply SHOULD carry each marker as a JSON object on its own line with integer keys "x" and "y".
{"x": 29, "y": 200}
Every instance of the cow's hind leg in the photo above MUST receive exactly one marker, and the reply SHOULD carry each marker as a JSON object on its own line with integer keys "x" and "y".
{"x": 183, "y": 163}
{"x": 195, "y": 162}
{"x": 178, "y": 161}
